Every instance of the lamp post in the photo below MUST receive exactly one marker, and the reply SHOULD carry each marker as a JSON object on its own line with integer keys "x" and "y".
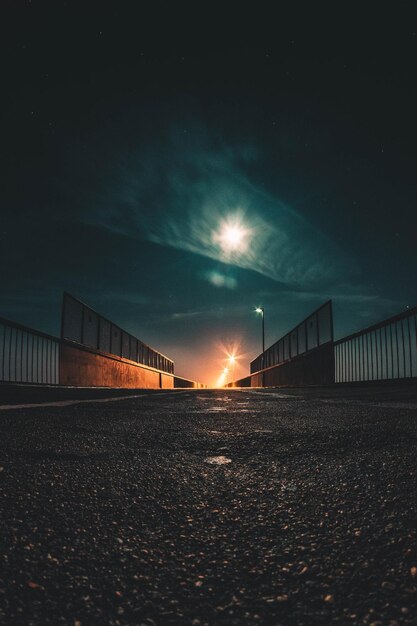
{"x": 261, "y": 310}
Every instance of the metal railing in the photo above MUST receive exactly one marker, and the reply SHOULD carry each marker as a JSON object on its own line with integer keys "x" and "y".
{"x": 81, "y": 324}
{"x": 384, "y": 351}
{"x": 27, "y": 355}
{"x": 313, "y": 332}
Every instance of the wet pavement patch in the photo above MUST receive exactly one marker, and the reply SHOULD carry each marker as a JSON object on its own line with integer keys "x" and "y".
{"x": 214, "y": 409}
{"x": 218, "y": 460}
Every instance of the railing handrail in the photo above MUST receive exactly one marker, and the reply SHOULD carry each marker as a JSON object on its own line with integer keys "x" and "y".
{"x": 109, "y": 355}
{"x": 106, "y": 319}
{"x": 27, "y": 329}
{"x": 292, "y": 358}
{"x": 289, "y": 333}
{"x": 386, "y": 322}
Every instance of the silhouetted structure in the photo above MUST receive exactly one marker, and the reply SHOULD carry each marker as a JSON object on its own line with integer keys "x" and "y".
{"x": 383, "y": 351}
{"x": 308, "y": 355}
{"x": 304, "y": 356}
{"x": 82, "y": 325}
{"x": 92, "y": 352}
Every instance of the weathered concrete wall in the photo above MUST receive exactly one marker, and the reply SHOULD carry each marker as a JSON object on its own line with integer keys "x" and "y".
{"x": 167, "y": 381}
{"x": 81, "y": 367}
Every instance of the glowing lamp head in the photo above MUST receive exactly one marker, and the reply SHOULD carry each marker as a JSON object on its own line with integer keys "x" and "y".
{"x": 259, "y": 309}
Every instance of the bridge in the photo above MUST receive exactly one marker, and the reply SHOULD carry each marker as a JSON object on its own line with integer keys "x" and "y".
{"x": 168, "y": 505}
{"x": 93, "y": 351}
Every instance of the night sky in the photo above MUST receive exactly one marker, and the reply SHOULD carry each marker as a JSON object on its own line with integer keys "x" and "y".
{"x": 129, "y": 139}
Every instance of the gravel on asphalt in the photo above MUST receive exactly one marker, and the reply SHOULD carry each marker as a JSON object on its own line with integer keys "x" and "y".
{"x": 206, "y": 507}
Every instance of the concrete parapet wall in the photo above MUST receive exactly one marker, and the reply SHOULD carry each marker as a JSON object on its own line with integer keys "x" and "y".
{"x": 314, "y": 368}
{"x": 82, "y": 367}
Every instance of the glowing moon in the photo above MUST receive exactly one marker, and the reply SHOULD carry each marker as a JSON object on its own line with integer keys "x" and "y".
{"x": 232, "y": 237}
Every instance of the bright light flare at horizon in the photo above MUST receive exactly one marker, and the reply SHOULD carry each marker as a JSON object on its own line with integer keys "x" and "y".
{"x": 229, "y": 361}
{"x": 222, "y": 379}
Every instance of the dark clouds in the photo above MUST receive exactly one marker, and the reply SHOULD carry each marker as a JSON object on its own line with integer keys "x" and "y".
{"x": 179, "y": 191}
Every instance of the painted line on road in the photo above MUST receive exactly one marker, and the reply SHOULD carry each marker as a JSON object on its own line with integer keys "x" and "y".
{"x": 6, "y": 407}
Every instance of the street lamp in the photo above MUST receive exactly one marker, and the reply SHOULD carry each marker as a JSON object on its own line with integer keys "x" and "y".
{"x": 261, "y": 311}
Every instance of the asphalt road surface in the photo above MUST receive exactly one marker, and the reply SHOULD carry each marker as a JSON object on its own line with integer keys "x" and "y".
{"x": 211, "y": 507}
